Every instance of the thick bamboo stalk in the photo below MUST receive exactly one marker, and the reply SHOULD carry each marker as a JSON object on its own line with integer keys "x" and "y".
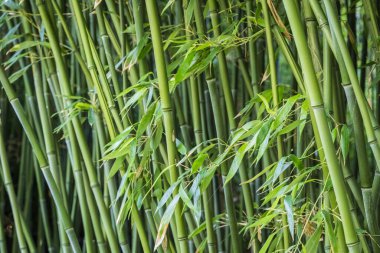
{"x": 167, "y": 113}
{"x": 316, "y": 102}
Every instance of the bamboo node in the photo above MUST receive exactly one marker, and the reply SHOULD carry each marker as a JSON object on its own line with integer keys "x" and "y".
{"x": 318, "y": 107}
{"x": 346, "y": 85}
{"x": 352, "y": 245}
{"x": 310, "y": 19}
{"x": 45, "y": 167}
{"x": 183, "y": 238}
{"x": 7, "y": 183}
{"x": 348, "y": 177}
{"x": 94, "y": 185}
{"x": 322, "y": 25}
{"x": 372, "y": 142}
{"x": 167, "y": 109}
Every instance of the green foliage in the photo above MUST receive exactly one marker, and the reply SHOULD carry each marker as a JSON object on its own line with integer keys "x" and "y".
{"x": 189, "y": 126}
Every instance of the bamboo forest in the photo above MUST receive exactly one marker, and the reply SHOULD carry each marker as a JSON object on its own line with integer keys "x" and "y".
{"x": 189, "y": 126}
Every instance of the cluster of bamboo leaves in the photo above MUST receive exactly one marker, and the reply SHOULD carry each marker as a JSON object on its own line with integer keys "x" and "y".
{"x": 189, "y": 126}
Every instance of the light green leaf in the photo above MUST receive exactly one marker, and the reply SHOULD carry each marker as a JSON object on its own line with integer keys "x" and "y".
{"x": 166, "y": 196}
{"x": 345, "y": 141}
{"x": 262, "y": 172}
{"x": 266, "y": 103}
{"x": 263, "y": 148}
{"x": 267, "y": 243}
{"x": 180, "y": 147}
{"x": 264, "y": 220}
{"x": 198, "y": 162}
{"x": 116, "y": 166}
{"x": 185, "y": 198}
{"x": 236, "y": 162}
{"x": 312, "y": 243}
{"x": 118, "y": 140}
{"x": 281, "y": 167}
{"x": 145, "y": 120}
{"x": 165, "y": 222}
{"x": 169, "y": 3}
{"x": 121, "y": 151}
{"x": 136, "y": 97}
{"x": 91, "y": 117}
{"x": 288, "y": 203}
{"x": 19, "y": 73}
{"x": 28, "y": 44}
{"x": 290, "y": 127}
{"x": 329, "y": 230}
{"x": 283, "y": 112}
{"x": 157, "y": 136}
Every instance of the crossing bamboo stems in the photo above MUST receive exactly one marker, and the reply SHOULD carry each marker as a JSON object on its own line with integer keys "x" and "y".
{"x": 64, "y": 86}
{"x": 64, "y": 216}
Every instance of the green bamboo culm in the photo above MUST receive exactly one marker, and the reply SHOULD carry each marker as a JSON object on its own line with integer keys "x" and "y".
{"x": 167, "y": 110}
{"x": 17, "y": 107}
{"x": 7, "y": 182}
{"x": 316, "y": 102}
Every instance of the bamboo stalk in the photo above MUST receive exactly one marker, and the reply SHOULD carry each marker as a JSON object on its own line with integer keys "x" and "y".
{"x": 316, "y": 102}
{"x": 167, "y": 113}
{"x": 68, "y": 227}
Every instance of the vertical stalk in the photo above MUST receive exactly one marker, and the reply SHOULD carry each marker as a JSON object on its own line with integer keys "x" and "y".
{"x": 316, "y": 103}
{"x": 167, "y": 114}
{"x": 273, "y": 78}
{"x": 41, "y": 160}
{"x": 8, "y": 184}
{"x": 221, "y": 135}
{"x": 66, "y": 92}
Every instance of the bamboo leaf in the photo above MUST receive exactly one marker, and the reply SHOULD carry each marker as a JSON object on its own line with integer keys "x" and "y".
{"x": 312, "y": 243}
{"x": 281, "y": 167}
{"x": 116, "y": 166}
{"x": 169, "y": 3}
{"x": 262, "y": 172}
{"x": 288, "y": 203}
{"x": 19, "y": 73}
{"x": 329, "y": 231}
{"x": 266, "y": 103}
{"x": 28, "y": 44}
{"x": 165, "y": 222}
{"x": 284, "y": 111}
{"x": 236, "y": 163}
{"x": 267, "y": 243}
{"x": 345, "y": 141}
{"x": 290, "y": 127}
{"x": 185, "y": 198}
{"x": 263, "y": 147}
{"x": 155, "y": 141}
{"x": 180, "y": 147}
{"x": 166, "y": 196}
{"x": 198, "y": 162}
{"x": 145, "y": 120}
{"x": 264, "y": 220}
